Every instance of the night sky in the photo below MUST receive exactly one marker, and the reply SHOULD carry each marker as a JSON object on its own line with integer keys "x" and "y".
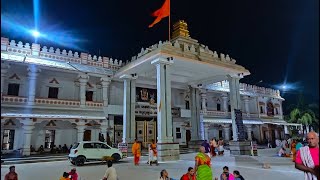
{"x": 276, "y": 40}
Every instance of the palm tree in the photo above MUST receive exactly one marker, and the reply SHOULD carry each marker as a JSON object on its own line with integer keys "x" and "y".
{"x": 304, "y": 117}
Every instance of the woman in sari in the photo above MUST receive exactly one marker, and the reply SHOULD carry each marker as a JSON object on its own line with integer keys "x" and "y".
{"x": 203, "y": 165}
{"x": 293, "y": 150}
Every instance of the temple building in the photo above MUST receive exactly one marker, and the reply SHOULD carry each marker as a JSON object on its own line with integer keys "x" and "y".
{"x": 176, "y": 92}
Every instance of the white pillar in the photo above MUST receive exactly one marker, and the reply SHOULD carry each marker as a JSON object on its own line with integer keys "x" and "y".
{"x": 246, "y": 104}
{"x": 195, "y": 114}
{"x": 234, "y": 102}
{"x": 80, "y": 128}
{"x": 3, "y": 77}
{"x": 226, "y": 131}
{"x": 225, "y": 102}
{"x": 276, "y": 133}
{"x": 105, "y": 82}
{"x": 286, "y": 129}
{"x": 57, "y": 137}
{"x": 2, "y": 131}
{"x": 206, "y": 132}
{"x": 111, "y": 128}
{"x": 249, "y": 130}
{"x": 27, "y": 127}
{"x": 129, "y": 97}
{"x": 203, "y": 100}
{"x": 83, "y": 80}
{"x": 164, "y": 115}
{"x": 33, "y": 72}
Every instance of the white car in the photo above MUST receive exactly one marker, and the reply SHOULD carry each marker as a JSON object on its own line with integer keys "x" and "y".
{"x": 92, "y": 151}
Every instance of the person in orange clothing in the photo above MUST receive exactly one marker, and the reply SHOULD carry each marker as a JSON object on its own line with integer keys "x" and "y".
{"x": 293, "y": 150}
{"x": 189, "y": 175}
{"x": 153, "y": 153}
{"x": 136, "y": 152}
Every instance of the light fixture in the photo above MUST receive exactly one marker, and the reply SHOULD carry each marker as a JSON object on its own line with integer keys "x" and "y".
{"x": 35, "y": 33}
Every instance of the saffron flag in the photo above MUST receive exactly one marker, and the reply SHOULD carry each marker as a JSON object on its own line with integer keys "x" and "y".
{"x": 163, "y": 12}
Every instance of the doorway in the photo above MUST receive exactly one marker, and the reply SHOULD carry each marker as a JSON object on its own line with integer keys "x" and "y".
{"x": 188, "y": 136}
{"x": 87, "y": 135}
{"x": 146, "y": 131}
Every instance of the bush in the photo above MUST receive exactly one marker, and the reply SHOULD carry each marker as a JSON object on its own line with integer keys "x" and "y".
{"x": 107, "y": 158}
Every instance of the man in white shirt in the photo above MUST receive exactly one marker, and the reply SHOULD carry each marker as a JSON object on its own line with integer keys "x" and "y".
{"x": 111, "y": 173}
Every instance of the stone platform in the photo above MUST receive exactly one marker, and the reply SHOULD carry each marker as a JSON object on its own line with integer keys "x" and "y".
{"x": 194, "y": 145}
{"x": 168, "y": 151}
{"x": 240, "y": 147}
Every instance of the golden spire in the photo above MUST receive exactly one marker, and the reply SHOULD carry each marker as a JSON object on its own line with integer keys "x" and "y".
{"x": 180, "y": 29}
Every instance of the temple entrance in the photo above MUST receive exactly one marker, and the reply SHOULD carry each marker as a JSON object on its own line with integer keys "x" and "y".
{"x": 146, "y": 131}
{"x": 87, "y": 135}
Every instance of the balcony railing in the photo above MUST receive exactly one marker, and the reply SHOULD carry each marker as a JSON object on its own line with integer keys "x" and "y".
{"x": 47, "y": 101}
{"x": 224, "y": 114}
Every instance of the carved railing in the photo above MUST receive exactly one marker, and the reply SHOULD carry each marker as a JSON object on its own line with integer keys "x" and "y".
{"x": 94, "y": 104}
{"x": 14, "y": 99}
{"x": 58, "y": 102}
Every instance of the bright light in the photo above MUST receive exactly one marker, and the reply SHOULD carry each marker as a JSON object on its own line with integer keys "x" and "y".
{"x": 284, "y": 87}
{"x": 35, "y": 33}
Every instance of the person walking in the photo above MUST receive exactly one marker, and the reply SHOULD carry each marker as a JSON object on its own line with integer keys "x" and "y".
{"x": 136, "y": 152}
{"x": 203, "y": 165}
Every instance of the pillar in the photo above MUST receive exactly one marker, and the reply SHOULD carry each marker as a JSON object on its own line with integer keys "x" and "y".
{"x": 83, "y": 80}
{"x": 111, "y": 128}
{"x": 80, "y": 130}
{"x": 225, "y": 102}
{"x": 103, "y": 130}
{"x": 286, "y": 129}
{"x": 4, "y": 70}
{"x": 234, "y": 102}
{"x": 27, "y": 127}
{"x": 249, "y": 130}
{"x": 246, "y": 104}
{"x": 164, "y": 115}
{"x": 105, "y": 82}
{"x": 2, "y": 131}
{"x": 129, "y": 98}
{"x": 203, "y": 100}
{"x": 33, "y": 72}
{"x": 206, "y": 132}
{"x": 276, "y": 133}
{"x": 57, "y": 138}
{"x": 226, "y": 131}
{"x": 195, "y": 114}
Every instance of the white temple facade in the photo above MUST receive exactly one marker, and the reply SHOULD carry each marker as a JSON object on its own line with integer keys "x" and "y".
{"x": 173, "y": 92}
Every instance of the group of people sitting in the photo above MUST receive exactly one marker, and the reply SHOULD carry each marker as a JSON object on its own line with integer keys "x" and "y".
{"x": 191, "y": 175}
{"x": 54, "y": 149}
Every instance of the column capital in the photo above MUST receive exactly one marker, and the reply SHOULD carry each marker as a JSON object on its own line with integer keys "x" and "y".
{"x": 105, "y": 80}
{"x": 129, "y": 76}
{"x": 226, "y": 126}
{"x": 83, "y": 77}
{"x": 33, "y": 72}
{"x": 224, "y": 96}
{"x": 248, "y": 126}
{"x": 163, "y": 60}
{"x": 235, "y": 76}
{"x": 203, "y": 92}
{"x": 245, "y": 98}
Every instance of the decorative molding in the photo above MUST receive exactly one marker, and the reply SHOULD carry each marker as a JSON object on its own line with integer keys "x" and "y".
{"x": 54, "y": 80}
{"x": 15, "y": 76}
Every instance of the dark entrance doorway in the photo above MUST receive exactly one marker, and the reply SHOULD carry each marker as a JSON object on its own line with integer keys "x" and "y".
{"x": 87, "y": 135}
{"x": 188, "y": 136}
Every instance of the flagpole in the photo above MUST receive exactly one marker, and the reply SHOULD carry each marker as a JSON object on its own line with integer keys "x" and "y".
{"x": 169, "y": 19}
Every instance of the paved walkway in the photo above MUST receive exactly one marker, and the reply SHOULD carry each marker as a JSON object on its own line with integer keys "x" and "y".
{"x": 250, "y": 168}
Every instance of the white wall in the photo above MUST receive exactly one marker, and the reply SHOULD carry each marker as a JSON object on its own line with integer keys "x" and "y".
{"x": 116, "y": 93}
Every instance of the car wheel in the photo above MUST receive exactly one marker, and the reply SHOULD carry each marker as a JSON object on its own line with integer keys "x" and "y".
{"x": 80, "y": 161}
{"x": 116, "y": 157}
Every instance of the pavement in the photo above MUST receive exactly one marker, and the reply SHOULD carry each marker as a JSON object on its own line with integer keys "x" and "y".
{"x": 250, "y": 167}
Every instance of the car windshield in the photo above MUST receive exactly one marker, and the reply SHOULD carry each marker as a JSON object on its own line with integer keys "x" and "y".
{"x": 75, "y": 146}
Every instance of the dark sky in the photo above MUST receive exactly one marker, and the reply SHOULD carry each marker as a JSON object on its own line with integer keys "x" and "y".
{"x": 275, "y": 39}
